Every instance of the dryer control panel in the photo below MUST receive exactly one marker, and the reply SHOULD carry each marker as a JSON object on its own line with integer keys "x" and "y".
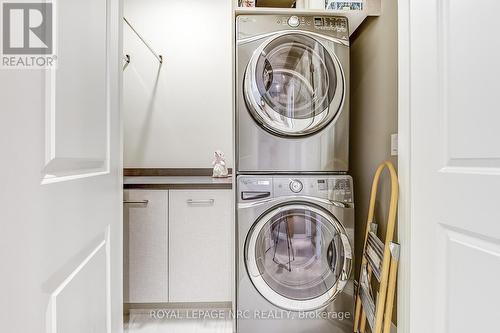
{"x": 252, "y": 25}
{"x": 334, "y": 24}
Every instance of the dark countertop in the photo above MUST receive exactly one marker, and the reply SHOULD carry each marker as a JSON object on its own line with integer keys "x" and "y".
{"x": 176, "y": 182}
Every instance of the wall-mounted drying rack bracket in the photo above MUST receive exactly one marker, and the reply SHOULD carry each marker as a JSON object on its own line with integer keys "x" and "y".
{"x": 159, "y": 57}
{"x": 126, "y": 58}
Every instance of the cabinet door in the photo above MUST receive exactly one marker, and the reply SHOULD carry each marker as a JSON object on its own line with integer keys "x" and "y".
{"x": 200, "y": 245}
{"x": 145, "y": 246}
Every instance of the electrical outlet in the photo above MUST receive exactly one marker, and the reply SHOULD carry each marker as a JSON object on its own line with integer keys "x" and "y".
{"x": 394, "y": 144}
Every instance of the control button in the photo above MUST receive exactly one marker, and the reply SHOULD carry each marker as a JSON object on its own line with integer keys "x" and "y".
{"x": 296, "y": 186}
{"x": 293, "y": 21}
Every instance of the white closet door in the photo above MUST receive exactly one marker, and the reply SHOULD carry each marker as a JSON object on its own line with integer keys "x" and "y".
{"x": 450, "y": 72}
{"x": 200, "y": 245}
{"x": 61, "y": 172}
{"x": 146, "y": 246}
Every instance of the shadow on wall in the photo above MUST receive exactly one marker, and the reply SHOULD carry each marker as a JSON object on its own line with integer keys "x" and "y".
{"x": 146, "y": 125}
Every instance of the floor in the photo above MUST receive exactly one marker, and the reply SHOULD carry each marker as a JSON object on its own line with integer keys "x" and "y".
{"x": 173, "y": 322}
{"x": 145, "y": 322}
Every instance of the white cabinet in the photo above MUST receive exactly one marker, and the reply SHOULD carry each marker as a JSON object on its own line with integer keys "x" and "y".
{"x": 146, "y": 246}
{"x": 200, "y": 239}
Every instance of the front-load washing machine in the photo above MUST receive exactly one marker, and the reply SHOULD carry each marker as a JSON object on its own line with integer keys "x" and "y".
{"x": 295, "y": 254}
{"x": 292, "y": 94}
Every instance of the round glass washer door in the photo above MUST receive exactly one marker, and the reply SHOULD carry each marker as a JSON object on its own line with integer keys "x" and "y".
{"x": 293, "y": 85}
{"x": 298, "y": 257}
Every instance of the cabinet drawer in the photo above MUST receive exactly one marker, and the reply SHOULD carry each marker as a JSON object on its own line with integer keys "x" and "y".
{"x": 200, "y": 240}
{"x": 145, "y": 246}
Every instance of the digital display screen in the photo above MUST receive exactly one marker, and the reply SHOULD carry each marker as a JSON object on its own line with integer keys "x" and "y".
{"x": 318, "y": 21}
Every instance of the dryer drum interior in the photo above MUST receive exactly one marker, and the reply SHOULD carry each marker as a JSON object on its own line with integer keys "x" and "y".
{"x": 298, "y": 253}
{"x": 293, "y": 85}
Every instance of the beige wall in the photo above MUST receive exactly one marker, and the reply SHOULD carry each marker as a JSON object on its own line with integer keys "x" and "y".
{"x": 373, "y": 111}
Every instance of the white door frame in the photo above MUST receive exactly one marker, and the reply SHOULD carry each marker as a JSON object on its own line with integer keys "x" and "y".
{"x": 404, "y": 160}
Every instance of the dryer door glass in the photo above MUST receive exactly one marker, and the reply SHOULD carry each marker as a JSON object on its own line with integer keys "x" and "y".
{"x": 293, "y": 85}
{"x": 300, "y": 253}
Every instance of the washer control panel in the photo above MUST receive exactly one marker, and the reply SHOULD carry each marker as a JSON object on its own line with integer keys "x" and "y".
{"x": 339, "y": 189}
{"x": 336, "y": 188}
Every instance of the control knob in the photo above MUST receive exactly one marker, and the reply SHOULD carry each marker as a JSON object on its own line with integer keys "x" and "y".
{"x": 296, "y": 186}
{"x": 293, "y": 21}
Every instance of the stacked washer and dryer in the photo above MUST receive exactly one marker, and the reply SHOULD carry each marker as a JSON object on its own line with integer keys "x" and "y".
{"x": 295, "y": 211}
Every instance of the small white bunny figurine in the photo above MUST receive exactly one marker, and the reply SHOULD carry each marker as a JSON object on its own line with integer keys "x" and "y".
{"x": 220, "y": 168}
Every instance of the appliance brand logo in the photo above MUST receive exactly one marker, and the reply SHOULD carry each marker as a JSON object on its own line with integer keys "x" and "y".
{"x": 28, "y": 34}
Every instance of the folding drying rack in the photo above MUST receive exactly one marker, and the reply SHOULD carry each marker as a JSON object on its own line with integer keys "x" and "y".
{"x": 381, "y": 261}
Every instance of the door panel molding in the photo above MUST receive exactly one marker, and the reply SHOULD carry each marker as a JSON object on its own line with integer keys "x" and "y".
{"x": 456, "y": 281}
{"x": 465, "y": 150}
{"x": 77, "y": 128}
{"x": 80, "y": 277}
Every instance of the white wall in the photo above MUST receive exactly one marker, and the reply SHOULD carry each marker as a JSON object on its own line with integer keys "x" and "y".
{"x": 177, "y": 115}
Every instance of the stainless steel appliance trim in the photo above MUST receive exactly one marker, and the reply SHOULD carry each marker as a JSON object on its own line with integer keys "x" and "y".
{"x": 290, "y": 198}
{"x": 282, "y": 32}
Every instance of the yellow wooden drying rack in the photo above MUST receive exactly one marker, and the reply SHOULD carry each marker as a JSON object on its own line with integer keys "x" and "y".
{"x": 380, "y": 260}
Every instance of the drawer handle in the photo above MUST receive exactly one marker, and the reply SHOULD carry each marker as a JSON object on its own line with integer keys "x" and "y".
{"x": 200, "y": 202}
{"x": 140, "y": 202}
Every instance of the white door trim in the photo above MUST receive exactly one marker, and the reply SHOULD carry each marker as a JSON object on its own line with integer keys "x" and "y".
{"x": 404, "y": 162}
